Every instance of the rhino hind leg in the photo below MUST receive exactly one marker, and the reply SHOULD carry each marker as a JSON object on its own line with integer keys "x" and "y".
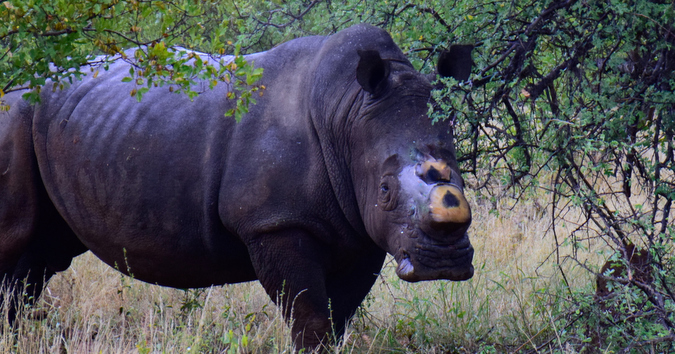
{"x": 50, "y": 249}
{"x": 23, "y": 284}
{"x": 35, "y": 241}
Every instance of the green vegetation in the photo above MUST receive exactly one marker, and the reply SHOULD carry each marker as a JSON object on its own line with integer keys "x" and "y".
{"x": 565, "y": 133}
{"x": 44, "y": 40}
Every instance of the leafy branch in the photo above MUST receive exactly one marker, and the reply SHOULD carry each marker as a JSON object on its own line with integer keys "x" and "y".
{"x": 95, "y": 33}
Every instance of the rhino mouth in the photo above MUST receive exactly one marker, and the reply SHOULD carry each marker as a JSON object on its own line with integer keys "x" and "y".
{"x": 427, "y": 259}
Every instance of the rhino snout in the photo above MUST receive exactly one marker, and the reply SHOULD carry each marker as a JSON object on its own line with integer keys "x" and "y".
{"x": 436, "y": 244}
{"x": 426, "y": 260}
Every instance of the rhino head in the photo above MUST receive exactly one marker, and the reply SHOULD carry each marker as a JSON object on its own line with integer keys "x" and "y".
{"x": 405, "y": 171}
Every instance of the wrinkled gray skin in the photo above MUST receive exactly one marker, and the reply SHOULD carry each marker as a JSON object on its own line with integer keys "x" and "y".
{"x": 308, "y": 192}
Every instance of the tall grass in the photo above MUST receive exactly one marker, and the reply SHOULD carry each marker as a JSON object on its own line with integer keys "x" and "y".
{"x": 509, "y": 305}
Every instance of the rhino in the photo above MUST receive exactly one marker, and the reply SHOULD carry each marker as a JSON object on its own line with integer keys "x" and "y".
{"x": 336, "y": 165}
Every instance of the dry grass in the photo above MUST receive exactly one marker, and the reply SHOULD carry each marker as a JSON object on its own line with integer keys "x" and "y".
{"x": 511, "y": 300}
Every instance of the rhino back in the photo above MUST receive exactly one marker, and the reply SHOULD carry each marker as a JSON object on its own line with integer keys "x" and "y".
{"x": 129, "y": 176}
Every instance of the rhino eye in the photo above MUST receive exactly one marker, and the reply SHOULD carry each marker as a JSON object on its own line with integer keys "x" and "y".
{"x": 385, "y": 196}
{"x": 387, "y": 193}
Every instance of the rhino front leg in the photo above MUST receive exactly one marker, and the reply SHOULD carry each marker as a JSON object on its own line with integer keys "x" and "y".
{"x": 348, "y": 286}
{"x": 291, "y": 266}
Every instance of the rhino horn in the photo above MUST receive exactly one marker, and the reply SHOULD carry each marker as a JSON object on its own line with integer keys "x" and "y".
{"x": 448, "y": 206}
{"x": 434, "y": 171}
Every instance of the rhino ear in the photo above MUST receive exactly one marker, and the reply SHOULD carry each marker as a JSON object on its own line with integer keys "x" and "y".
{"x": 455, "y": 62}
{"x": 372, "y": 72}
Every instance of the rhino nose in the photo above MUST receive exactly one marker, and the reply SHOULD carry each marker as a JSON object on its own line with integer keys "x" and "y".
{"x": 449, "y": 211}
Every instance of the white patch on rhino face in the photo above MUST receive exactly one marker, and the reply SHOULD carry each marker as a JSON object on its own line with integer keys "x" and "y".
{"x": 413, "y": 185}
